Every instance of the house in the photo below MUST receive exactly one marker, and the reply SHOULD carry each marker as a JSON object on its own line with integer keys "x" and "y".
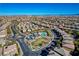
{"x": 3, "y": 34}
{"x": 10, "y": 50}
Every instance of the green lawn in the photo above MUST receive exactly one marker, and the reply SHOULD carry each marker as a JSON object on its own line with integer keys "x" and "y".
{"x": 0, "y": 45}
{"x": 39, "y": 43}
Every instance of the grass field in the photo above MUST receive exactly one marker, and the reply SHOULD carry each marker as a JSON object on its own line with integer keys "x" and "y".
{"x": 42, "y": 40}
{"x": 39, "y": 43}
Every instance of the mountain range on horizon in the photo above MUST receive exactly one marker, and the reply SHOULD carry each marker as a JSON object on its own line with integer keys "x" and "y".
{"x": 44, "y": 15}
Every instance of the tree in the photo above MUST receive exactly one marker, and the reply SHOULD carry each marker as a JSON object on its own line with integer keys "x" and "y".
{"x": 75, "y": 52}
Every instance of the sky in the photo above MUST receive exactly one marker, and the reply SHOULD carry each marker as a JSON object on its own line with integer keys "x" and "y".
{"x": 38, "y": 8}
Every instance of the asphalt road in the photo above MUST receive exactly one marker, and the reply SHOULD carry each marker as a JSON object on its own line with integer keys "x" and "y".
{"x": 25, "y": 49}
